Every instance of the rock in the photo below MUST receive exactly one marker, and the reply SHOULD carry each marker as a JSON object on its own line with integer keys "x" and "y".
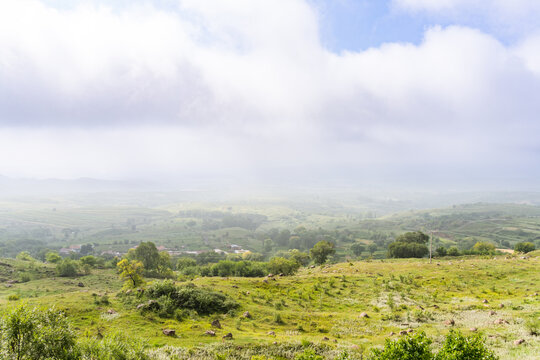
{"x": 216, "y": 324}
{"x": 111, "y": 311}
{"x": 271, "y": 333}
{"x": 325, "y": 339}
{"x": 140, "y": 306}
{"x": 364, "y": 315}
{"x": 485, "y": 301}
{"x": 410, "y": 330}
{"x": 392, "y": 333}
{"x": 519, "y": 341}
{"x": 312, "y": 267}
{"x": 355, "y": 347}
{"x": 247, "y": 315}
{"x": 281, "y": 274}
{"x": 265, "y": 281}
{"x": 535, "y": 294}
{"x": 435, "y": 306}
{"x": 403, "y": 332}
{"x": 450, "y": 322}
{"x": 235, "y": 286}
{"x": 500, "y": 322}
{"x": 492, "y": 312}
{"x": 501, "y": 306}
{"x": 80, "y": 284}
{"x": 473, "y": 329}
{"x": 169, "y": 332}
{"x": 270, "y": 275}
{"x": 210, "y": 333}
{"x": 227, "y": 336}
{"x": 334, "y": 341}
{"x": 274, "y": 343}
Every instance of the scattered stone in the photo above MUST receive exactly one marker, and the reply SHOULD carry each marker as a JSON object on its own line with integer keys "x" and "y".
{"x": 535, "y": 294}
{"x": 450, "y": 322}
{"x": 140, "y": 306}
{"x": 271, "y": 333}
{"x": 519, "y": 341}
{"x": 334, "y": 341}
{"x": 438, "y": 264}
{"x": 501, "y": 306}
{"x": 216, "y": 324}
{"x": 169, "y": 332}
{"x": 325, "y": 339}
{"x": 364, "y": 315}
{"x": 274, "y": 343}
{"x": 312, "y": 267}
{"x": 473, "y": 329}
{"x": 265, "y": 281}
{"x": 8, "y": 285}
{"x": 410, "y": 330}
{"x": 247, "y": 315}
{"x": 403, "y": 332}
{"x": 281, "y": 274}
{"x": 227, "y": 336}
{"x": 420, "y": 307}
{"x": 392, "y": 333}
{"x": 80, "y": 284}
{"x": 270, "y": 275}
{"x": 492, "y": 312}
{"x": 485, "y": 301}
{"x": 435, "y": 306}
{"x": 111, "y": 311}
{"x": 210, "y": 333}
{"x": 355, "y": 347}
{"x": 235, "y": 286}
{"x": 500, "y": 322}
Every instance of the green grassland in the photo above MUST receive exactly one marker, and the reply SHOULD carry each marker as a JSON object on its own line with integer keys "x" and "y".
{"x": 317, "y": 303}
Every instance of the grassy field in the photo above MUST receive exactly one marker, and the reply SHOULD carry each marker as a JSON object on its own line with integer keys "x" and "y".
{"x": 320, "y": 305}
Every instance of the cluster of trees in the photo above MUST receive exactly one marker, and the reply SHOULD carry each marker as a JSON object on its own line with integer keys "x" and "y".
{"x": 525, "y": 247}
{"x": 409, "y": 245}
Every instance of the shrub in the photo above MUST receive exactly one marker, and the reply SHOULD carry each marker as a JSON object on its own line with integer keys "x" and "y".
{"x": 278, "y": 265}
{"x": 24, "y": 256}
{"x": 170, "y": 297}
{"x": 13, "y": 297}
{"x": 459, "y": 347}
{"x": 67, "y": 268}
{"x": 410, "y": 347}
{"x": 52, "y": 257}
{"x": 35, "y": 334}
{"x": 453, "y": 251}
{"x": 524, "y": 247}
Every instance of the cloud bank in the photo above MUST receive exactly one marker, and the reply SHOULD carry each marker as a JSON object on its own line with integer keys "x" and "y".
{"x": 245, "y": 88}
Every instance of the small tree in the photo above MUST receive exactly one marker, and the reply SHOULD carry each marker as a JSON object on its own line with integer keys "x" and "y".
{"x": 131, "y": 271}
{"x": 453, "y": 251}
{"x": 483, "y": 248}
{"x": 357, "y": 249}
{"x": 67, "y": 267}
{"x": 35, "y": 334}
{"x": 278, "y": 265}
{"x": 52, "y": 257}
{"x": 524, "y": 247}
{"x": 321, "y": 251}
{"x": 441, "y": 251}
{"x": 300, "y": 257}
{"x": 459, "y": 347}
{"x": 410, "y": 347}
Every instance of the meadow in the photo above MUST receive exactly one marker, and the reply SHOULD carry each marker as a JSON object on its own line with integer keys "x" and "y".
{"x": 351, "y": 306}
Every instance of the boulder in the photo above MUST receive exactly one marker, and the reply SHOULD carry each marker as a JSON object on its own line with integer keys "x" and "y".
{"x": 247, "y": 315}
{"x": 80, "y": 284}
{"x": 485, "y": 301}
{"x": 492, "y": 313}
{"x": 403, "y": 332}
{"x": 169, "y": 332}
{"x": 210, "y": 333}
{"x": 450, "y": 322}
{"x": 227, "y": 336}
{"x": 325, "y": 338}
{"x": 473, "y": 329}
{"x": 500, "y": 322}
{"x": 271, "y": 333}
{"x": 364, "y": 315}
{"x": 519, "y": 341}
{"x": 216, "y": 324}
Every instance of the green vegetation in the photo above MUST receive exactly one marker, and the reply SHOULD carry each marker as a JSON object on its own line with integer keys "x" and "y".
{"x": 525, "y": 247}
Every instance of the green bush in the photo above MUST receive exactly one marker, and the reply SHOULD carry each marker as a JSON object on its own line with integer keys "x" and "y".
{"x": 35, "y": 334}
{"x": 410, "y": 347}
{"x": 170, "y": 297}
{"x": 524, "y": 247}
{"x": 67, "y": 267}
{"x": 13, "y": 297}
{"x": 459, "y": 347}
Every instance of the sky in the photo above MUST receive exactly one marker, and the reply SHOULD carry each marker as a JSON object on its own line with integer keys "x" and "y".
{"x": 410, "y": 92}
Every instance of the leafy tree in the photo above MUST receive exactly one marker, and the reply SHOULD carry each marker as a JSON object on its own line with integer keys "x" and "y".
{"x": 410, "y": 347}
{"x": 89, "y": 260}
{"x": 67, "y": 267}
{"x": 357, "y": 249}
{"x": 524, "y": 247}
{"x": 407, "y": 250}
{"x": 52, "y": 257}
{"x": 252, "y": 256}
{"x": 321, "y": 251}
{"x": 300, "y": 257}
{"x": 87, "y": 249}
{"x": 483, "y": 248}
{"x": 35, "y": 334}
{"x": 148, "y": 254}
{"x": 24, "y": 256}
{"x": 131, "y": 271}
{"x": 278, "y": 265}
{"x": 441, "y": 251}
{"x": 459, "y": 347}
{"x": 453, "y": 251}
{"x": 417, "y": 237}
{"x": 185, "y": 262}
{"x": 372, "y": 248}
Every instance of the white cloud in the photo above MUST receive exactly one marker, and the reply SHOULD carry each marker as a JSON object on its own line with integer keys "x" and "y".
{"x": 245, "y": 86}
